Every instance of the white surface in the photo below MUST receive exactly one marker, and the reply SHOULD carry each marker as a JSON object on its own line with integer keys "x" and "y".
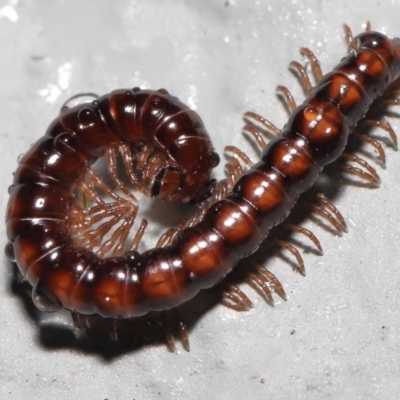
{"x": 338, "y": 336}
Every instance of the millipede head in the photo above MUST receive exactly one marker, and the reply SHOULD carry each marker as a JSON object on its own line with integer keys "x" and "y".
{"x": 174, "y": 183}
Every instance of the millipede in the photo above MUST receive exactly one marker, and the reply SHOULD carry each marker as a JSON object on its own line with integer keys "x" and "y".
{"x": 72, "y": 246}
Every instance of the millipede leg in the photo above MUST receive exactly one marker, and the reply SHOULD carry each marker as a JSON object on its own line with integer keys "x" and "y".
{"x": 230, "y": 172}
{"x": 184, "y": 335}
{"x": 333, "y": 216}
{"x": 168, "y": 236}
{"x": 198, "y": 216}
{"x": 239, "y": 154}
{"x": 234, "y": 171}
{"x": 385, "y": 125}
{"x": 97, "y": 235}
{"x": 285, "y": 93}
{"x": 370, "y": 176}
{"x": 278, "y": 288}
{"x": 308, "y": 233}
{"x": 119, "y": 211}
{"x": 155, "y": 170}
{"x": 269, "y": 126}
{"x": 234, "y": 298}
{"x": 97, "y": 181}
{"x": 349, "y": 39}
{"x": 113, "y": 330}
{"x": 257, "y": 281}
{"x": 315, "y": 65}
{"x": 393, "y": 92}
{"x": 91, "y": 194}
{"x": 78, "y": 220}
{"x": 127, "y": 159}
{"x": 304, "y": 78}
{"x": 237, "y": 169}
{"x": 255, "y": 133}
{"x": 325, "y": 214}
{"x": 348, "y": 35}
{"x": 263, "y": 281}
{"x": 113, "y": 214}
{"x": 326, "y": 203}
{"x": 118, "y": 215}
{"x": 165, "y": 237}
{"x": 139, "y": 234}
{"x": 118, "y": 238}
{"x": 111, "y": 160}
{"x": 169, "y": 337}
{"x": 393, "y": 101}
{"x": 374, "y": 143}
{"x": 80, "y": 321}
{"x": 162, "y": 322}
{"x": 266, "y": 282}
{"x": 182, "y": 330}
{"x": 221, "y": 191}
{"x": 287, "y": 246}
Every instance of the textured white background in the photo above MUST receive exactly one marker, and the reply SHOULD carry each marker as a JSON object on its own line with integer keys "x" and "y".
{"x": 338, "y": 336}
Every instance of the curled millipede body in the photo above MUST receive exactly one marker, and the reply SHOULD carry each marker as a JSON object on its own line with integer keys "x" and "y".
{"x": 66, "y": 275}
{"x": 173, "y": 158}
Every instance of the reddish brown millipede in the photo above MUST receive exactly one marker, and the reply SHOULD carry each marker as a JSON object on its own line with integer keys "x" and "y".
{"x": 48, "y": 220}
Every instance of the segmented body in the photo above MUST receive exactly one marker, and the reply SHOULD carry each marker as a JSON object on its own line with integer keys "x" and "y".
{"x": 200, "y": 256}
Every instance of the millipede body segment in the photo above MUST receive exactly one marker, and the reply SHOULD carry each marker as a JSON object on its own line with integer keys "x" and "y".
{"x": 65, "y": 275}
